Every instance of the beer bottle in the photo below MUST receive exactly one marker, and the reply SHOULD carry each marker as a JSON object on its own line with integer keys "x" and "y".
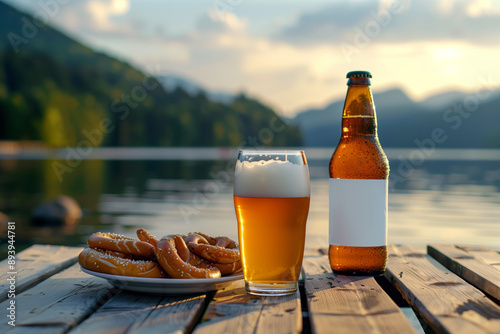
{"x": 359, "y": 173}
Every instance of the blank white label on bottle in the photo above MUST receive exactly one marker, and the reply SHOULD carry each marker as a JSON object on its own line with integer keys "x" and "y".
{"x": 358, "y": 212}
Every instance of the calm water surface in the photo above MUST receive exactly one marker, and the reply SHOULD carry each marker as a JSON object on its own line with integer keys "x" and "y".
{"x": 438, "y": 202}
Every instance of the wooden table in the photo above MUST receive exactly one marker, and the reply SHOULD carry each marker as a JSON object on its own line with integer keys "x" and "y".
{"x": 452, "y": 289}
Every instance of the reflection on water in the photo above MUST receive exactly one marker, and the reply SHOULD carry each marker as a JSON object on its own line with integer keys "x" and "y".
{"x": 441, "y": 201}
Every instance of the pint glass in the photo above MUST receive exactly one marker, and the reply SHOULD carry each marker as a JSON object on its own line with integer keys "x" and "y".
{"x": 271, "y": 200}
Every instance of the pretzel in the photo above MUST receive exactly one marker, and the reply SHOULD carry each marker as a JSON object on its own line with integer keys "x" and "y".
{"x": 145, "y": 236}
{"x": 117, "y": 254}
{"x": 219, "y": 250}
{"x": 229, "y": 268}
{"x": 122, "y": 244}
{"x": 172, "y": 254}
{"x": 184, "y": 253}
{"x": 96, "y": 260}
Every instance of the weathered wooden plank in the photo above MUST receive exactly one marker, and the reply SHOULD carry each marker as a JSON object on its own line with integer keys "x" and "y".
{"x": 445, "y": 301}
{"x": 58, "y": 303}
{"x": 349, "y": 304}
{"x": 35, "y": 264}
{"x": 471, "y": 269}
{"x": 232, "y": 310}
{"x": 313, "y": 251}
{"x": 130, "y": 312}
{"x": 172, "y": 315}
{"x": 484, "y": 254}
{"x": 119, "y": 313}
{"x": 317, "y": 247}
{"x": 280, "y": 315}
{"x": 323, "y": 251}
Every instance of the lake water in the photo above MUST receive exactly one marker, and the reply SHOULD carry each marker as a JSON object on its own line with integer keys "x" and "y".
{"x": 455, "y": 199}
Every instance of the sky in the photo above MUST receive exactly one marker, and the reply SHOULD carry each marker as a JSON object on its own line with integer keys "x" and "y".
{"x": 294, "y": 54}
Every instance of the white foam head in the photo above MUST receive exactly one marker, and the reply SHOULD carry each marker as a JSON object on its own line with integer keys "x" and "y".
{"x": 271, "y": 179}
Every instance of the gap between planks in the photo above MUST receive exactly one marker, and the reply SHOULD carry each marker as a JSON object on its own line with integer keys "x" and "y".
{"x": 349, "y": 304}
{"x": 467, "y": 263}
{"x": 232, "y": 310}
{"x": 132, "y": 312}
{"x": 446, "y": 302}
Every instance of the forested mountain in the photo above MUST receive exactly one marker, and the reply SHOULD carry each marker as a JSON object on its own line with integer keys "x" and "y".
{"x": 57, "y": 90}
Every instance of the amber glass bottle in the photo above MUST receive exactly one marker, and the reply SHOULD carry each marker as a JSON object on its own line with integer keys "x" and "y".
{"x": 359, "y": 173}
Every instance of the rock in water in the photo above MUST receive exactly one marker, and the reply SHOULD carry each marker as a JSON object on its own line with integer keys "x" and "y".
{"x": 63, "y": 210}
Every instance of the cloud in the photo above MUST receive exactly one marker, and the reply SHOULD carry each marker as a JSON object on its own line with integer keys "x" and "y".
{"x": 101, "y": 12}
{"x": 394, "y": 21}
{"x": 100, "y": 18}
{"x": 217, "y": 23}
{"x": 225, "y": 56}
{"x": 326, "y": 24}
{"x": 481, "y": 8}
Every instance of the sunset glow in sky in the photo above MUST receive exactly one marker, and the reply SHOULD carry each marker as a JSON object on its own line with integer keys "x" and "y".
{"x": 294, "y": 54}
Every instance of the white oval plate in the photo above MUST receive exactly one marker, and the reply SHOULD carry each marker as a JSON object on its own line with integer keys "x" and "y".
{"x": 167, "y": 286}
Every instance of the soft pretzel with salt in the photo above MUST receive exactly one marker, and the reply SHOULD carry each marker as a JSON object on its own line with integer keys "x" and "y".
{"x": 218, "y": 250}
{"x": 107, "y": 263}
{"x": 122, "y": 244}
{"x": 172, "y": 255}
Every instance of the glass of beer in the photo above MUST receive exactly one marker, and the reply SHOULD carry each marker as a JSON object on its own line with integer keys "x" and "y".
{"x": 271, "y": 200}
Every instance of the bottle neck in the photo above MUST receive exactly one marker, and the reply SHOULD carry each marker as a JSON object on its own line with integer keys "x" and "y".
{"x": 358, "y": 117}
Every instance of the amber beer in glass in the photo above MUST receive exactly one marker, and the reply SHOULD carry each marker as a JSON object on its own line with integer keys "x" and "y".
{"x": 359, "y": 173}
{"x": 271, "y": 200}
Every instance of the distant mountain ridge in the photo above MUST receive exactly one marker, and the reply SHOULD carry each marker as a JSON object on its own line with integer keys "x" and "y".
{"x": 442, "y": 100}
{"x": 403, "y": 122}
{"x": 170, "y": 82}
